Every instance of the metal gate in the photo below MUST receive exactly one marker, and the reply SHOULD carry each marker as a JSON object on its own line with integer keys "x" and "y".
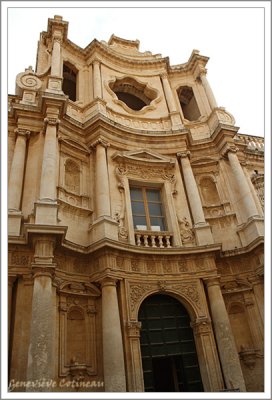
{"x": 168, "y": 350}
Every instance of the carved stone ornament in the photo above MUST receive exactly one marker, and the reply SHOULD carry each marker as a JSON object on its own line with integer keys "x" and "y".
{"x": 79, "y": 288}
{"x": 186, "y": 232}
{"x": 190, "y": 291}
{"x": 28, "y": 80}
{"x": 201, "y": 326}
{"x": 248, "y": 356}
{"x": 134, "y": 328}
{"x": 136, "y": 293}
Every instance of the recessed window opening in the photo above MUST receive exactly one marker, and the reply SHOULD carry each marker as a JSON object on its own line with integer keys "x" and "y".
{"x": 147, "y": 209}
{"x": 134, "y": 94}
{"x": 188, "y": 103}
{"x": 69, "y": 82}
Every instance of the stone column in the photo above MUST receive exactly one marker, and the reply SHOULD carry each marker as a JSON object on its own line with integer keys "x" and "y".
{"x": 241, "y": 182}
{"x": 207, "y": 88}
{"x": 202, "y": 228}
{"x": 113, "y": 352}
{"x": 191, "y": 188}
{"x": 56, "y": 56}
{"x": 101, "y": 179}
{"x": 41, "y": 352}
{"x": 97, "y": 79}
{"x": 174, "y": 114}
{"x": 48, "y": 177}
{"x": 168, "y": 94}
{"x": 17, "y": 170}
{"x": 225, "y": 341}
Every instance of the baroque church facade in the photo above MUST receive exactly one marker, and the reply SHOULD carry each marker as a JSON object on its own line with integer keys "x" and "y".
{"x": 135, "y": 222}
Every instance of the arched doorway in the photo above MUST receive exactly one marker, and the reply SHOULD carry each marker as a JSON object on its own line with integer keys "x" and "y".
{"x": 169, "y": 357}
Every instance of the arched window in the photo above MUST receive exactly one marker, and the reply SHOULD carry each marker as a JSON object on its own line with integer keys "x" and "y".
{"x": 69, "y": 81}
{"x": 188, "y": 103}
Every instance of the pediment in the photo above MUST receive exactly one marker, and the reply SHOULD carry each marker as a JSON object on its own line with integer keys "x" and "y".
{"x": 204, "y": 161}
{"x": 144, "y": 156}
{"x": 72, "y": 143}
{"x": 79, "y": 288}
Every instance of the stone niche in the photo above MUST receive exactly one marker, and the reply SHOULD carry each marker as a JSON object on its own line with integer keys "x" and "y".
{"x": 77, "y": 306}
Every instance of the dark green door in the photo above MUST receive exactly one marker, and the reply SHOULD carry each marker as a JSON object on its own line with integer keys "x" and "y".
{"x": 168, "y": 350}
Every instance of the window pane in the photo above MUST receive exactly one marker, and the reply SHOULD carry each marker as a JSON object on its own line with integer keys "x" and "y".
{"x": 153, "y": 195}
{"x": 157, "y": 222}
{"x": 136, "y": 194}
{"x": 139, "y": 223}
{"x": 137, "y": 208}
{"x": 155, "y": 209}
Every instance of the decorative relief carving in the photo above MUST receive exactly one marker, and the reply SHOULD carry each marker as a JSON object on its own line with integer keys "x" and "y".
{"x": 134, "y": 328}
{"x": 145, "y": 172}
{"x": 151, "y": 268}
{"x": 201, "y": 326}
{"x": 182, "y": 266}
{"x": 136, "y": 293}
{"x": 186, "y": 232}
{"x": 189, "y": 290}
{"x": 135, "y": 266}
{"x": 72, "y": 176}
{"x": 167, "y": 267}
{"x": 20, "y": 259}
{"x": 28, "y": 80}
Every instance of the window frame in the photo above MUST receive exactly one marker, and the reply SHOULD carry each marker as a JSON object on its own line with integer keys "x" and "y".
{"x": 145, "y": 202}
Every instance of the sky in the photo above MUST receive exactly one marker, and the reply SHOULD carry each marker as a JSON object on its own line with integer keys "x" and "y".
{"x": 232, "y": 37}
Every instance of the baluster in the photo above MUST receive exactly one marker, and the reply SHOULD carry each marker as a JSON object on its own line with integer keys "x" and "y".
{"x": 138, "y": 239}
{"x": 160, "y": 241}
{"x": 153, "y": 243}
{"x": 168, "y": 244}
{"x": 146, "y": 240}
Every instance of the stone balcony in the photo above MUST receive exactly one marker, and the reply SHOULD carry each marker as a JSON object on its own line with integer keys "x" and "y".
{"x": 154, "y": 239}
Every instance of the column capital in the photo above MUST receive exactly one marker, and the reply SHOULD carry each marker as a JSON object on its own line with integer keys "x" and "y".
{"x": 43, "y": 270}
{"x": 108, "y": 281}
{"x": 184, "y": 154}
{"x": 57, "y": 37}
{"x": 212, "y": 281}
{"x": 22, "y": 132}
{"x": 229, "y": 148}
{"x": 134, "y": 328}
{"x": 96, "y": 61}
{"x": 100, "y": 141}
{"x": 201, "y": 326}
{"x": 51, "y": 121}
{"x": 11, "y": 279}
{"x": 164, "y": 75}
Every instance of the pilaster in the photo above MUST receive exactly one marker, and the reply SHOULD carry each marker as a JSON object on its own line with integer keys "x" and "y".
{"x": 113, "y": 352}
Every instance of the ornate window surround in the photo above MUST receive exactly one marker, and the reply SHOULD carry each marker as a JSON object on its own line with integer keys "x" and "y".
{"x": 143, "y": 167}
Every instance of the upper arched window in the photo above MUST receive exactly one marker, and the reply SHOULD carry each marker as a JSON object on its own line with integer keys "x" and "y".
{"x": 134, "y": 94}
{"x": 188, "y": 103}
{"x": 69, "y": 81}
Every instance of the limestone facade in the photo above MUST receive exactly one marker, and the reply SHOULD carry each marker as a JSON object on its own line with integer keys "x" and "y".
{"x": 128, "y": 181}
